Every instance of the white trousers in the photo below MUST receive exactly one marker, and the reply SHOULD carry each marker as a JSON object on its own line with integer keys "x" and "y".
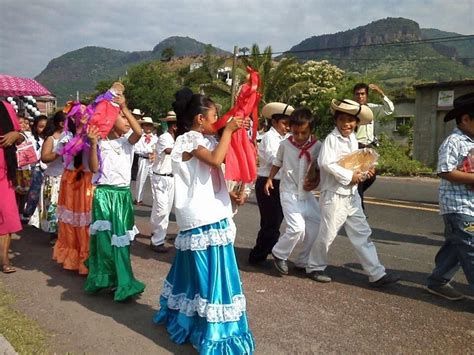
{"x": 302, "y": 224}
{"x": 144, "y": 171}
{"x": 162, "y": 188}
{"x": 338, "y": 210}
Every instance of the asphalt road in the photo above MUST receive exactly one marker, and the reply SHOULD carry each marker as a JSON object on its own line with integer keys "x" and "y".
{"x": 290, "y": 314}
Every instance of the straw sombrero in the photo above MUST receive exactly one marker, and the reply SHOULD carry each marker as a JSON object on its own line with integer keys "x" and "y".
{"x": 149, "y": 121}
{"x": 170, "y": 117}
{"x": 276, "y": 108}
{"x": 138, "y": 112}
{"x": 362, "y": 112}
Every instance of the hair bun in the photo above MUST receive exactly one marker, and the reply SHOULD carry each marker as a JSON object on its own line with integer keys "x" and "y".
{"x": 183, "y": 98}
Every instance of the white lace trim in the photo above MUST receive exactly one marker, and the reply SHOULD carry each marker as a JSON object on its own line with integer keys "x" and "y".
{"x": 215, "y": 313}
{"x": 100, "y": 225}
{"x": 187, "y": 143}
{"x": 118, "y": 241}
{"x": 77, "y": 219}
{"x": 212, "y": 237}
{"x": 124, "y": 240}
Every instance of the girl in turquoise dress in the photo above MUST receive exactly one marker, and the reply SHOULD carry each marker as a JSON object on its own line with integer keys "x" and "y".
{"x": 202, "y": 299}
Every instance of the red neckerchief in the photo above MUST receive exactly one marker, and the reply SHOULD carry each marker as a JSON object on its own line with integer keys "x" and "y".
{"x": 305, "y": 147}
{"x": 147, "y": 138}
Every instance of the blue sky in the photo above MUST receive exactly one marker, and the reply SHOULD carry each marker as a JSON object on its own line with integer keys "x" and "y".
{"x": 34, "y": 32}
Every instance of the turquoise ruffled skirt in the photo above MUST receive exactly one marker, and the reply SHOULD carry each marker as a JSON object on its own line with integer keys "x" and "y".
{"x": 202, "y": 299}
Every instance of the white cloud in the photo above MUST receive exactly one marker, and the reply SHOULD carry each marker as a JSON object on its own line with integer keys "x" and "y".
{"x": 33, "y": 33}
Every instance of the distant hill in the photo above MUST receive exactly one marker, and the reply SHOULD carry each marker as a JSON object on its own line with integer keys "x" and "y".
{"x": 82, "y": 69}
{"x": 184, "y": 46}
{"x": 463, "y": 51}
{"x": 358, "y": 51}
{"x": 361, "y": 50}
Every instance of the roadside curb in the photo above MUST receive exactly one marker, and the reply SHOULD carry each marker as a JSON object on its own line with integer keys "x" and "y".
{"x": 5, "y": 347}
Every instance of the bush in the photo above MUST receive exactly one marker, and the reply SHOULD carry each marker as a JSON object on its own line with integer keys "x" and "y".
{"x": 395, "y": 160}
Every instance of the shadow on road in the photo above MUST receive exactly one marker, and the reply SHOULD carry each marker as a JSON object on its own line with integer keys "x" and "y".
{"x": 33, "y": 252}
{"x": 411, "y": 285}
{"x": 387, "y": 237}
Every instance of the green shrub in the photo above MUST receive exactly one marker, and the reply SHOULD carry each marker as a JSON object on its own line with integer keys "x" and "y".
{"x": 395, "y": 160}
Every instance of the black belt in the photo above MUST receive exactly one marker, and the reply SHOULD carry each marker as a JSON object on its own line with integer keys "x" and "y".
{"x": 143, "y": 156}
{"x": 169, "y": 175}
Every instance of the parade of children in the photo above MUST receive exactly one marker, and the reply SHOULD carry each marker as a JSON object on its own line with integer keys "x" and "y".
{"x": 145, "y": 149}
{"x": 76, "y": 192}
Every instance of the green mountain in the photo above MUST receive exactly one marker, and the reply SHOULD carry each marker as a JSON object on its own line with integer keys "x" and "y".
{"x": 184, "y": 46}
{"x": 462, "y": 51}
{"x": 82, "y": 69}
{"x": 378, "y": 49}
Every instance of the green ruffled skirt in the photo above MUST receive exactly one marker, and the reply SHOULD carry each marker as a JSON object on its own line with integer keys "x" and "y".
{"x": 111, "y": 230}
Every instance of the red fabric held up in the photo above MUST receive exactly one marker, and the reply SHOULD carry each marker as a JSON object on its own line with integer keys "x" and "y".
{"x": 241, "y": 159}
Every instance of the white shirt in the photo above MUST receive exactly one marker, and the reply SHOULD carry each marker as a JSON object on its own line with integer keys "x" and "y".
{"x": 117, "y": 159}
{"x": 201, "y": 195}
{"x": 334, "y": 177}
{"x": 56, "y": 167}
{"x": 162, "y": 163}
{"x": 143, "y": 148}
{"x": 293, "y": 168}
{"x": 365, "y": 133}
{"x": 267, "y": 150}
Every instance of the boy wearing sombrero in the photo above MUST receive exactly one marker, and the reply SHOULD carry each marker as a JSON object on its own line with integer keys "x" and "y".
{"x": 144, "y": 149}
{"x": 162, "y": 185}
{"x": 339, "y": 199}
{"x": 456, "y": 202}
{"x": 271, "y": 213}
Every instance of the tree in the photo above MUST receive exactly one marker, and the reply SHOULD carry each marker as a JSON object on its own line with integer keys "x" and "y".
{"x": 151, "y": 88}
{"x": 167, "y": 54}
{"x": 244, "y": 50}
{"x": 261, "y": 62}
{"x": 315, "y": 85}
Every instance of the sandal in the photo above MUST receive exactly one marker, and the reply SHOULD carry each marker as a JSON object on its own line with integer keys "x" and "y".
{"x": 8, "y": 269}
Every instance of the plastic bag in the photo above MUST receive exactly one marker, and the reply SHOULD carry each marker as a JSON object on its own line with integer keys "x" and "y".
{"x": 362, "y": 159}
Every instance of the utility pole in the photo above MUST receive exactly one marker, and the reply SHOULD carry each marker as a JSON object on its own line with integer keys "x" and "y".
{"x": 234, "y": 67}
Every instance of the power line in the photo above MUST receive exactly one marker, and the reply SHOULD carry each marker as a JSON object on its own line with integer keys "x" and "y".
{"x": 388, "y": 44}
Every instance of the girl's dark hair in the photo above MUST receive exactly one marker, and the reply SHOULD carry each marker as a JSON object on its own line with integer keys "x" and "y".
{"x": 71, "y": 126}
{"x": 302, "y": 115}
{"x": 54, "y": 123}
{"x": 186, "y": 106}
{"x": 6, "y": 125}
{"x": 34, "y": 128}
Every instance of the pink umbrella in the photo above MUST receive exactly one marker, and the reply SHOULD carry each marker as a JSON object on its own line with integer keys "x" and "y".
{"x": 16, "y": 86}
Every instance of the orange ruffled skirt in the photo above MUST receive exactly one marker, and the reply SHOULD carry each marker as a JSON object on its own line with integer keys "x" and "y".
{"x": 74, "y": 218}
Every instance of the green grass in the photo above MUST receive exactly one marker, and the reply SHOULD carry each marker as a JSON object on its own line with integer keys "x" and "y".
{"x": 24, "y": 334}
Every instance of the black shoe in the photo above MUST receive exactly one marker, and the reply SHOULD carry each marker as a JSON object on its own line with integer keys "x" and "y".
{"x": 299, "y": 268}
{"x": 52, "y": 239}
{"x": 256, "y": 262}
{"x": 281, "y": 265}
{"x": 385, "y": 280}
{"x": 446, "y": 291}
{"x": 159, "y": 248}
{"x": 319, "y": 276}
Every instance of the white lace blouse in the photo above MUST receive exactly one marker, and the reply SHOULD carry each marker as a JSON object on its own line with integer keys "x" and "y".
{"x": 201, "y": 195}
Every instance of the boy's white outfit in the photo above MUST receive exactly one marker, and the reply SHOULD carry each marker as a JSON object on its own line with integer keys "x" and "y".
{"x": 162, "y": 187}
{"x": 143, "y": 148}
{"x": 300, "y": 207}
{"x": 341, "y": 205}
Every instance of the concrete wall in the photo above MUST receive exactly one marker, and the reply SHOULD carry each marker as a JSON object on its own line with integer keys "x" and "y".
{"x": 429, "y": 128}
{"x": 389, "y": 127}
